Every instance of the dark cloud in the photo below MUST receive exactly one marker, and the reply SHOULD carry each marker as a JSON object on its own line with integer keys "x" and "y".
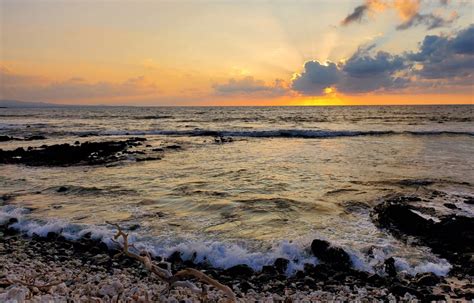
{"x": 364, "y": 73}
{"x": 431, "y": 21}
{"x": 446, "y": 57}
{"x": 369, "y": 66}
{"x": 409, "y": 12}
{"x": 441, "y": 61}
{"x": 248, "y": 85}
{"x": 361, "y": 73}
{"x": 356, "y": 15}
{"x": 316, "y": 77}
{"x": 463, "y": 43}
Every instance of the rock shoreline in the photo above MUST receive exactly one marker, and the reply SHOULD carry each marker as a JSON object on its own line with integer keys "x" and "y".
{"x": 87, "y": 269}
{"x": 86, "y": 153}
{"x": 450, "y": 236}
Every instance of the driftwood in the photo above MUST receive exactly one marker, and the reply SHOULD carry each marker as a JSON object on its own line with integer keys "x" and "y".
{"x": 30, "y": 282}
{"x": 178, "y": 279}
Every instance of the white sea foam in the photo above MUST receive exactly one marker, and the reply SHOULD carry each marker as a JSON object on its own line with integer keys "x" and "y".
{"x": 277, "y": 133}
{"x": 219, "y": 254}
{"x": 441, "y": 268}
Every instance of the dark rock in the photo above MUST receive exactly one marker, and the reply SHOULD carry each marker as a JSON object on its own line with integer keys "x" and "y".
{"x": 427, "y": 279}
{"x": 174, "y": 146}
{"x": 322, "y": 272}
{"x": 309, "y": 281}
{"x": 376, "y": 280}
{"x": 469, "y": 200}
{"x": 37, "y": 137}
{"x": 451, "y": 237}
{"x": 175, "y": 257}
{"x": 434, "y": 298}
{"x": 300, "y": 275}
{"x": 90, "y": 153}
{"x": 400, "y": 215}
{"x": 6, "y": 197}
{"x": 281, "y": 265}
{"x": 241, "y": 270}
{"x": 245, "y": 286}
{"x": 270, "y": 270}
{"x": 102, "y": 246}
{"x": 389, "y": 267}
{"x": 51, "y": 235}
{"x": 62, "y": 189}
{"x": 450, "y": 206}
{"x": 5, "y": 138}
{"x": 134, "y": 227}
{"x": 334, "y": 256}
{"x": 400, "y": 290}
{"x": 12, "y": 221}
{"x": 308, "y": 267}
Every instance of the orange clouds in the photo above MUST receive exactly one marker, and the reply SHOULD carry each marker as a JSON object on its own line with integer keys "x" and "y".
{"x": 407, "y": 10}
{"x": 29, "y": 87}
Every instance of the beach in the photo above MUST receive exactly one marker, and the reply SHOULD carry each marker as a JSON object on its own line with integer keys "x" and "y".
{"x": 277, "y": 204}
{"x": 55, "y": 270}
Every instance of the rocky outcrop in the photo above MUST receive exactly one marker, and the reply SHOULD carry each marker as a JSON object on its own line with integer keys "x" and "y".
{"x": 89, "y": 153}
{"x": 333, "y": 256}
{"x": 449, "y": 236}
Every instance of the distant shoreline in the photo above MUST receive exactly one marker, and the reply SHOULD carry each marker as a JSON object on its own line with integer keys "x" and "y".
{"x": 24, "y": 104}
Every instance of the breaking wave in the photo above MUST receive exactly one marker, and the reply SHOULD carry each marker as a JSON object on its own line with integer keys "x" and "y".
{"x": 280, "y": 133}
{"x": 219, "y": 254}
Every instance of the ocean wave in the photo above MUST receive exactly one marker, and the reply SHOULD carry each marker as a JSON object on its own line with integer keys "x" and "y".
{"x": 220, "y": 254}
{"x": 90, "y": 191}
{"x": 281, "y": 133}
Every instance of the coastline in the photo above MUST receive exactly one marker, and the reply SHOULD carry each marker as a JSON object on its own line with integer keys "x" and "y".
{"x": 86, "y": 270}
{"x": 419, "y": 208}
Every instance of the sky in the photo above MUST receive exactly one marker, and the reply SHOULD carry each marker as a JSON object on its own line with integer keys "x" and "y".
{"x": 242, "y": 52}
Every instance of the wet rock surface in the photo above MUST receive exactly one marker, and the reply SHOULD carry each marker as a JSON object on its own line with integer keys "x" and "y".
{"x": 335, "y": 257}
{"x": 4, "y": 138}
{"x": 79, "y": 263}
{"x": 450, "y": 236}
{"x": 87, "y": 153}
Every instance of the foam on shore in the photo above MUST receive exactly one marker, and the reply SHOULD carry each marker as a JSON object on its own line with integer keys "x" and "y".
{"x": 217, "y": 253}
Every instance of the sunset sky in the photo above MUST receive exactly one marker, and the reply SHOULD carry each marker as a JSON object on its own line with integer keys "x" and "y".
{"x": 282, "y": 52}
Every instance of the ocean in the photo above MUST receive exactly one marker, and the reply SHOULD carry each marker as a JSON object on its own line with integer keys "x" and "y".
{"x": 244, "y": 185}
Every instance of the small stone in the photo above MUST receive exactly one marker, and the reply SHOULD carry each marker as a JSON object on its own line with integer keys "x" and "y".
{"x": 281, "y": 264}
{"x": 450, "y": 206}
{"x": 428, "y": 279}
{"x": 62, "y": 189}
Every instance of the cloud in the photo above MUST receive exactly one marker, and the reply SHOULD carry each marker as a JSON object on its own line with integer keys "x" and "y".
{"x": 362, "y": 72}
{"x": 357, "y": 15}
{"x": 316, "y": 77}
{"x": 463, "y": 43}
{"x": 440, "y": 62}
{"x": 431, "y": 21}
{"x": 442, "y": 57}
{"x": 27, "y": 87}
{"x": 250, "y": 86}
{"x": 408, "y": 12}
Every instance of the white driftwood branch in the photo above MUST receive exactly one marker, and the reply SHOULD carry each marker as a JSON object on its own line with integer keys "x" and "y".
{"x": 165, "y": 275}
